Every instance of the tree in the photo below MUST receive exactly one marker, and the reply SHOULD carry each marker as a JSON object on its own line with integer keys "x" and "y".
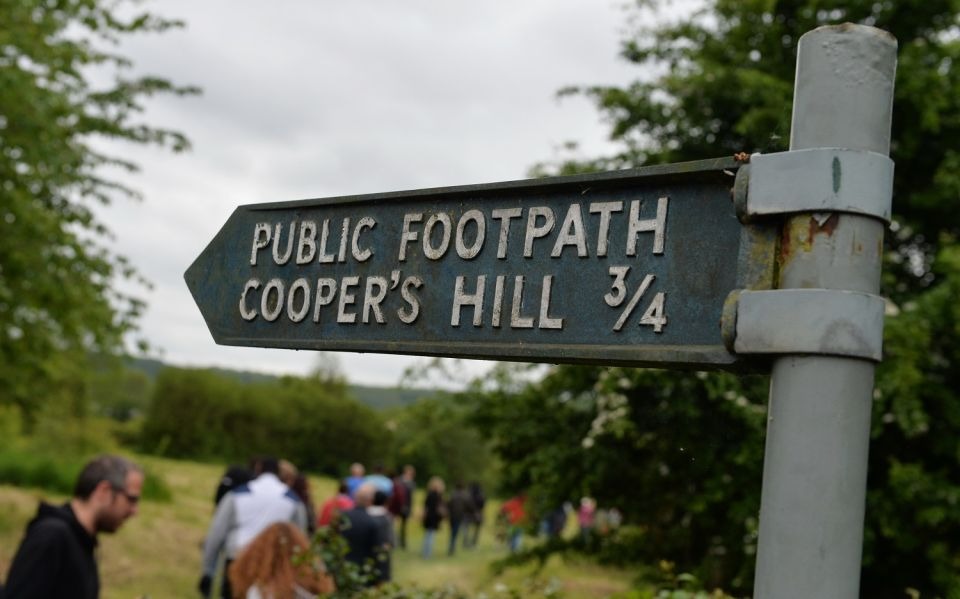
{"x": 680, "y": 456}
{"x": 58, "y": 304}
{"x": 720, "y": 82}
{"x": 204, "y": 415}
{"x": 432, "y": 434}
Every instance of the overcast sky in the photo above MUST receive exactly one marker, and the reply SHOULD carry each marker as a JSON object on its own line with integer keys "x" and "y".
{"x": 308, "y": 99}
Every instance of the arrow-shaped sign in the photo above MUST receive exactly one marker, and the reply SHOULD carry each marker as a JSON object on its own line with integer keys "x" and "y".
{"x": 629, "y": 267}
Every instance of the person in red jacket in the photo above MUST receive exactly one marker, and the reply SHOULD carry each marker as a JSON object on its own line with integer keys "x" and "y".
{"x": 515, "y": 511}
{"x": 333, "y": 507}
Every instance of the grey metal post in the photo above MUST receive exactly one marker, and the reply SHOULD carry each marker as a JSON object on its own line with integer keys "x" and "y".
{"x": 815, "y": 466}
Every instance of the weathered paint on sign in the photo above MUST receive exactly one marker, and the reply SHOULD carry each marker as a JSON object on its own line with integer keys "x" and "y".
{"x": 628, "y": 267}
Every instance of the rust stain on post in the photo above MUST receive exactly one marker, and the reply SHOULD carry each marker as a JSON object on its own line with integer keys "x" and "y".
{"x": 797, "y": 237}
{"x": 799, "y": 231}
{"x": 827, "y": 227}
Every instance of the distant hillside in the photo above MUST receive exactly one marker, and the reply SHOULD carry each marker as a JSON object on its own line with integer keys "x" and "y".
{"x": 378, "y": 398}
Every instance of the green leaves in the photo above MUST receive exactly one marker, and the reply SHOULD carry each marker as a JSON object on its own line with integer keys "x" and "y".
{"x": 200, "y": 414}
{"x": 57, "y": 300}
{"x": 720, "y": 81}
{"x": 679, "y": 454}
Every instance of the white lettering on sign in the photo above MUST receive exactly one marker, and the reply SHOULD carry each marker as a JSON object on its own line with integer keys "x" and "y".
{"x": 546, "y": 321}
{"x": 658, "y": 225}
{"x": 535, "y": 231}
{"x": 342, "y": 255}
{"x": 461, "y": 299}
{"x": 271, "y": 302}
{"x": 429, "y": 250}
{"x": 245, "y": 312}
{"x": 408, "y": 314}
{"x": 261, "y": 237}
{"x": 325, "y": 257}
{"x": 504, "y": 216}
{"x": 473, "y": 296}
{"x": 521, "y": 300}
{"x": 604, "y": 209}
{"x": 326, "y": 291}
{"x": 497, "y": 301}
{"x": 652, "y": 316}
{"x": 571, "y": 233}
{"x": 294, "y": 313}
{"x": 475, "y": 217}
{"x": 373, "y": 297}
{"x": 517, "y": 321}
{"x": 307, "y": 248}
{"x": 304, "y": 237}
{"x": 362, "y": 255}
{"x": 347, "y": 299}
{"x": 279, "y": 258}
{"x": 297, "y": 300}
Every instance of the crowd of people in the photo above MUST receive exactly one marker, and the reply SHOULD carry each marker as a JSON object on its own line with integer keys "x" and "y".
{"x": 369, "y": 511}
{"x": 261, "y": 526}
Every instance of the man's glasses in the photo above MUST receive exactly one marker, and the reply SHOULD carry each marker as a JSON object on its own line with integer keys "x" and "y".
{"x": 133, "y": 499}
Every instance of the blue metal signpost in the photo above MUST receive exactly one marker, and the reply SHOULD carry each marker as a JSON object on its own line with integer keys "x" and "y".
{"x": 630, "y": 267}
{"x": 712, "y": 264}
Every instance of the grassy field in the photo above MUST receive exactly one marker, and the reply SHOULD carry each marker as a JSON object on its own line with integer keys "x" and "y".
{"x": 157, "y": 553}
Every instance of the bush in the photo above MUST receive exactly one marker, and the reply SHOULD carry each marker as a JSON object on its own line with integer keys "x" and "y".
{"x": 27, "y": 467}
{"x": 199, "y": 414}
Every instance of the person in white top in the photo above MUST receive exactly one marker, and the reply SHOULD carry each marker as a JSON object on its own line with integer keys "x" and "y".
{"x": 242, "y": 514}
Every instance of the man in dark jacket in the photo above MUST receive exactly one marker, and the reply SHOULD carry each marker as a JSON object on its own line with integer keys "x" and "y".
{"x": 56, "y": 556}
{"x": 363, "y": 533}
{"x": 459, "y": 506}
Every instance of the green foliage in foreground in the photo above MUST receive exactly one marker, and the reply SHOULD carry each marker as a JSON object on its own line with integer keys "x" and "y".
{"x": 355, "y": 581}
{"x": 58, "y": 303}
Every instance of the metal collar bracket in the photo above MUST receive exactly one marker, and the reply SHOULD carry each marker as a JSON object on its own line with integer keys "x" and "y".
{"x": 815, "y": 180}
{"x": 805, "y": 321}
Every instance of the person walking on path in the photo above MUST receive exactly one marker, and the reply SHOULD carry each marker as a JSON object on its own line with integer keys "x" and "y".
{"x": 272, "y": 566}
{"x": 459, "y": 508}
{"x": 355, "y": 479}
{"x": 236, "y": 475}
{"x": 384, "y": 520}
{"x": 514, "y": 511}
{"x": 585, "y": 517}
{"x": 432, "y": 513}
{"x": 244, "y": 513}
{"x": 332, "y": 508}
{"x": 407, "y": 480}
{"x": 301, "y": 486}
{"x": 472, "y": 534}
{"x": 363, "y": 533}
{"x": 56, "y": 557}
{"x": 380, "y": 480}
